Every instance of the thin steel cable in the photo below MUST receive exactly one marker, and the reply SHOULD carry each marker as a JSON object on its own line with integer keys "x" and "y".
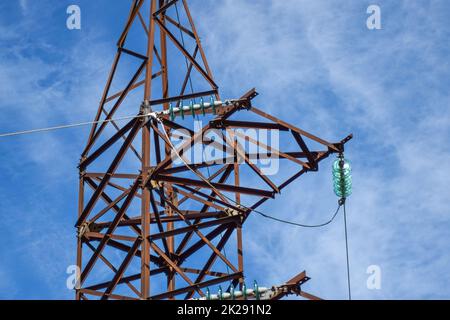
{"x": 232, "y": 200}
{"x": 182, "y": 42}
{"x": 347, "y": 255}
{"x": 299, "y": 224}
{"x": 221, "y": 234}
{"x": 225, "y": 253}
{"x": 72, "y": 125}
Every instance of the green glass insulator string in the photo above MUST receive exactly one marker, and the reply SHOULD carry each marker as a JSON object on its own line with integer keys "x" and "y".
{"x": 342, "y": 177}
{"x": 342, "y": 185}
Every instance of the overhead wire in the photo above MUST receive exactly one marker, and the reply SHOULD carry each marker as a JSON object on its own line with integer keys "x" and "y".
{"x": 182, "y": 42}
{"x": 67, "y": 126}
{"x": 341, "y": 203}
{"x": 347, "y": 255}
{"x": 73, "y": 125}
{"x": 235, "y": 202}
{"x": 300, "y": 224}
{"x": 79, "y": 124}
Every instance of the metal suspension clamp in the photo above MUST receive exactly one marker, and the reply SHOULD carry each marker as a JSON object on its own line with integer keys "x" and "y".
{"x": 87, "y": 227}
{"x": 234, "y": 213}
{"x": 82, "y": 229}
{"x": 146, "y": 109}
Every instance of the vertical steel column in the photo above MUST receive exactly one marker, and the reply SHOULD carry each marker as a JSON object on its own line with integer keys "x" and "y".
{"x": 240, "y": 254}
{"x": 167, "y": 147}
{"x": 145, "y": 202}
{"x": 200, "y": 47}
{"x": 79, "y": 239}
{"x": 189, "y": 212}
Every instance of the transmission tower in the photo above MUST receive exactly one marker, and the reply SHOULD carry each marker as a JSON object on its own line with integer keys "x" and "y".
{"x": 152, "y": 225}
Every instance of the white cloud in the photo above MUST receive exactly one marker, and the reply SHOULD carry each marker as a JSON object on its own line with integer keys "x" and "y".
{"x": 313, "y": 59}
{"x": 23, "y": 5}
{"x": 38, "y": 92}
{"x": 316, "y": 59}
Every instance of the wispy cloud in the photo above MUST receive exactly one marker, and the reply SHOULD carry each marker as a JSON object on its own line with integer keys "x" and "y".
{"x": 23, "y": 5}
{"x": 317, "y": 65}
{"x": 43, "y": 84}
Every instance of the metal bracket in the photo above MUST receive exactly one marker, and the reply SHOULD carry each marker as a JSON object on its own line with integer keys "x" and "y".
{"x": 86, "y": 227}
{"x": 234, "y": 213}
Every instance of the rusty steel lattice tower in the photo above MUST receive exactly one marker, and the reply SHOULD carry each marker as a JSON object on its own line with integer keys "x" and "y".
{"x": 147, "y": 222}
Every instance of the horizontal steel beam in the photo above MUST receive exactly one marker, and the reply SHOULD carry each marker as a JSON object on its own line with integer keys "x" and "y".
{"x": 204, "y": 284}
{"x": 208, "y": 224}
{"x": 218, "y": 186}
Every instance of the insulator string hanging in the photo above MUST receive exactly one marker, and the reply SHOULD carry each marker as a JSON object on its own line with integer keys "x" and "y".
{"x": 342, "y": 177}
{"x": 342, "y": 187}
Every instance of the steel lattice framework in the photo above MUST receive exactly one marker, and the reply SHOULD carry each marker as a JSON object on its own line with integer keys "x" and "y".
{"x": 143, "y": 216}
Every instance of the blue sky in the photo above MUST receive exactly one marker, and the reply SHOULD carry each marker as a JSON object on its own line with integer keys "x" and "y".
{"x": 316, "y": 65}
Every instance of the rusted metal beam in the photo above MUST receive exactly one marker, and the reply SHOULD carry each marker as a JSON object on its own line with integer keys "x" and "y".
{"x": 112, "y": 168}
{"x": 109, "y": 264}
{"x": 251, "y": 125}
{"x": 186, "y": 54}
{"x": 134, "y": 86}
{"x": 137, "y": 4}
{"x": 109, "y": 232}
{"x": 199, "y": 45}
{"x": 209, "y": 263}
{"x": 181, "y": 27}
{"x": 111, "y": 296}
{"x": 200, "y": 243}
{"x": 164, "y": 7}
{"x": 295, "y": 129}
{"x": 218, "y": 186}
{"x": 223, "y": 178}
{"x": 197, "y": 286}
{"x": 113, "y": 110}
{"x": 85, "y": 162}
{"x": 122, "y": 268}
{"x": 164, "y": 191}
{"x": 194, "y": 227}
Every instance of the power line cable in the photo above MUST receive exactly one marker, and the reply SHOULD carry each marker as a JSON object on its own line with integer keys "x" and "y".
{"x": 347, "y": 255}
{"x": 182, "y": 42}
{"x": 72, "y": 125}
{"x": 221, "y": 234}
{"x": 300, "y": 224}
{"x": 341, "y": 203}
{"x": 232, "y": 200}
